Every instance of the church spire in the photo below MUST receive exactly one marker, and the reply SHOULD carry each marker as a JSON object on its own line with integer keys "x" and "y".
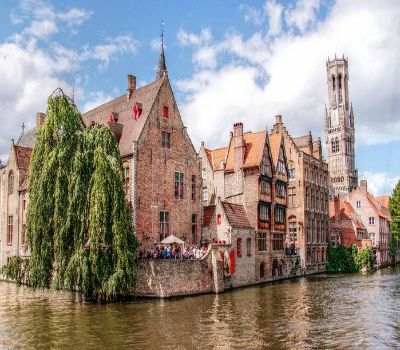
{"x": 162, "y": 68}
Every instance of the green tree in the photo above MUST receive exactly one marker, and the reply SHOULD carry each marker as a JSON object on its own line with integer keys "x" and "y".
{"x": 79, "y": 229}
{"x": 394, "y": 208}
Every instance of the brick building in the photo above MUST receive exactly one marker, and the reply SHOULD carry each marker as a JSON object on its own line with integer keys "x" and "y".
{"x": 162, "y": 176}
{"x": 346, "y": 227}
{"x": 308, "y": 191}
{"x": 255, "y": 176}
{"x": 375, "y": 217}
{"x": 161, "y": 166}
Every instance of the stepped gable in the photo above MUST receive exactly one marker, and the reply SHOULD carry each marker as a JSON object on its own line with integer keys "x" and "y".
{"x": 23, "y": 156}
{"x": 132, "y": 128}
{"x": 236, "y": 215}
{"x": 208, "y": 213}
{"x": 255, "y": 142}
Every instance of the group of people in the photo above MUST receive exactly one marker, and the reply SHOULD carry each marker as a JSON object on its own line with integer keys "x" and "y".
{"x": 174, "y": 251}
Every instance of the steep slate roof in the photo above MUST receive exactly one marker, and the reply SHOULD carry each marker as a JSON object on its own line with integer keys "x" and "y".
{"x": 208, "y": 213}
{"x": 23, "y": 156}
{"x": 275, "y": 143}
{"x": 383, "y": 201}
{"x": 303, "y": 142}
{"x": 236, "y": 214}
{"x": 255, "y": 142}
{"x": 28, "y": 138}
{"x": 132, "y": 128}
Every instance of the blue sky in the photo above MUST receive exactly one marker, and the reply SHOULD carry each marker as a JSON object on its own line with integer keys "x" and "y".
{"x": 227, "y": 60}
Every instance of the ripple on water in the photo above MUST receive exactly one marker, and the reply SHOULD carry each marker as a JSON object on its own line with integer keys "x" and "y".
{"x": 323, "y": 311}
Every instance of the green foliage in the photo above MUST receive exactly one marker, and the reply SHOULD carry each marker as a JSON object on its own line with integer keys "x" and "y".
{"x": 79, "y": 229}
{"x": 349, "y": 259}
{"x": 16, "y": 269}
{"x": 394, "y": 208}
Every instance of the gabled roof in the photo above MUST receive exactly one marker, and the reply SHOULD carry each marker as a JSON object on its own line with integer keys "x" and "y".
{"x": 255, "y": 143}
{"x": 383, "y": 201}
{"x": 377, "y": 206}
{"x": 208, "y": 213}
{"x": 236, "y": 215}
{"x": 303, "y": 142}
{"x": 218, "y": 156}
{"x": 346, "y": 212}
{"x": 28, "y": 138}
{"x": 23, "y": 157}
{"x": 275, "y": 143}
{"x": 132, "y": 128}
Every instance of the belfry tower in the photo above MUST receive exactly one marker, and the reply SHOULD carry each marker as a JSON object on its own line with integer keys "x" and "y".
{"x": 339, "y": 128}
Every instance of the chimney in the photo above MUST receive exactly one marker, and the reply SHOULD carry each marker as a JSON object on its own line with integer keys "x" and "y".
{"x": 278, "y": 119}
{"x": 336, "y": 205}
{"x": 131, "y": 86}
{"x": 40, "y": 118}
{"x": 239, "y": 146}
{"x": 363, "y": 185}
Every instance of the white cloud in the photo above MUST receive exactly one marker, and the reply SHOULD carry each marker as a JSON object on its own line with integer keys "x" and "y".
{"x": 190, "y": 39}
{"x": 302, "y": 15}
{"x": 254, "y": 78}
{"x": 252, "y": 14}
{"x": 380, "y": 184}
{"x": 274, "y": 13}
{"x": 96, "y": 99}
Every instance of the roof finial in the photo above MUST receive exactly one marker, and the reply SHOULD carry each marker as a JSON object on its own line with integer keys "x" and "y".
{"x": 22, "y": 133}
{"x": 162, "y": 68}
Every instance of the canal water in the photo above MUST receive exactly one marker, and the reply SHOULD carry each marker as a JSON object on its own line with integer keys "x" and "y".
{"x": 316, "y": 312}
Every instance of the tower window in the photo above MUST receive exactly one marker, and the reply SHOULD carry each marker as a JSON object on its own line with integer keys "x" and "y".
{"x": 340, "y": 88}
{"x": 335, "y": 145}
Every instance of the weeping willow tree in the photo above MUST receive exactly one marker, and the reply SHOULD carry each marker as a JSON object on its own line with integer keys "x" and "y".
{"x": 79, "y": 229}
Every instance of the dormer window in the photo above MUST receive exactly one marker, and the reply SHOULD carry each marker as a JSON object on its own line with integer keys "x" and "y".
{"x": 165, "y": 112}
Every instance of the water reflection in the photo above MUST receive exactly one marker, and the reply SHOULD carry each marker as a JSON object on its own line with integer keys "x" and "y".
{"x": 324, "y": 311}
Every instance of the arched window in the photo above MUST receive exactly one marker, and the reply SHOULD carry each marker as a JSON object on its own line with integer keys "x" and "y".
{"x": 340, "y": 88}
{"x": 10, "y": 183}
{"x": 333, "y": 89}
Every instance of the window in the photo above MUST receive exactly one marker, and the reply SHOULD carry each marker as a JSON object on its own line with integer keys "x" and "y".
{"x": 291, "y": 194}
{"x": 263, "y": 212}
{"x": 265, "y": 187}
{"x": 194, "y": 228}
{"x": 279, "y": 215}
{"x": 292, "y": 231}
{"x": 277, "y": 241}
{"x": 262, "y": 241}
{"x": 11, "y": 183}
{"x": 340, "y": 88}
{"x": 219, "y": 219}
{"x": 280, "y": 189}
{"x": 333, "y": 240}
{"x": 265, "y": 164}
{"x": 292, "y": 174}
{"x": 126, "y": 179}
{"x": 204, "y": 173}
{"x": 307, "y": 198}
{"x": 205, "y": 194}
{"x": 371, "y": 220}
{"x": 164, "y": 224}
{"x": 335, "y": 145}
{"x": 281, "y": 167}
{"x": 24, "y": 201}
{"x": 358, "y": 204}
{"x": 23, "y": 238}
{"x": 248, "y": 246}
{"x": 193, "y": 187}
{"x": 372, "y": 236}
{"x": 165, "y": 112}
{"x": 178, "y": 185}
{"x": 166, "y": 139}
{"x": 239, "y": 247}
{"x": 10, "y": 230}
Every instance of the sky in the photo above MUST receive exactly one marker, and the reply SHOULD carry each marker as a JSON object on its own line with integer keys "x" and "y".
{"x": 227, "y": 60}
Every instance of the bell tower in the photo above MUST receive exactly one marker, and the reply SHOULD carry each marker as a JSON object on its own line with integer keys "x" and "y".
{"x": 339, "y": 128}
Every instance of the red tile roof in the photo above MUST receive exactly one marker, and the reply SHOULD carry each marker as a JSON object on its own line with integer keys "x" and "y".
{"x": 275, "y": 143}
{"x": 23, "y": 156}
{"x": 255, "y": 142}
{"x": 208, "y": 213}
{"x": 383, "y": 201}
{"x": 218, "y": 156}
{"x": 346, "y": 212}
{"x": 376, "y": 205}
{"x": 236, "y": 214}
{"x": 132, "y": 128}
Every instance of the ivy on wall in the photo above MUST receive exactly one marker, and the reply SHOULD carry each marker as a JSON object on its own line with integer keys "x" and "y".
{"x": 79, "y": 229}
